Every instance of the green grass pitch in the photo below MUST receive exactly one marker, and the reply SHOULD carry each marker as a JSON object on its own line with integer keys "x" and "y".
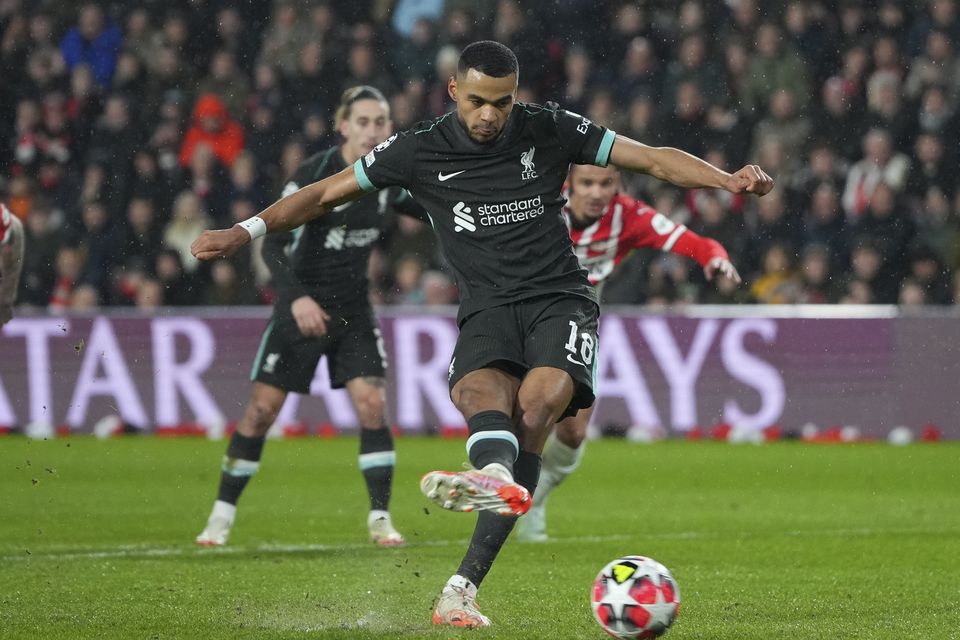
{"x": 766, "y": 542}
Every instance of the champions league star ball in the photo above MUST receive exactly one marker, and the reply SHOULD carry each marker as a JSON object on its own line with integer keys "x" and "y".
{"x": 635, "y": 597}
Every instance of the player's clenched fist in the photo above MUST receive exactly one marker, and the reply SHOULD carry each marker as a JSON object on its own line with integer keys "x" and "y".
{"x": 218, "y": 244}
{"x": 751, "y": 179}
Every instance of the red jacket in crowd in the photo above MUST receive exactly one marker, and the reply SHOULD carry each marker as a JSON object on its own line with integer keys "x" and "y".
{"x": 212, "y": 126}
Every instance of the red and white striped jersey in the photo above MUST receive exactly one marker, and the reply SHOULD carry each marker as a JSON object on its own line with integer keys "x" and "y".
{"x": 630, "y": 224}
{"x": 6, "y": 222}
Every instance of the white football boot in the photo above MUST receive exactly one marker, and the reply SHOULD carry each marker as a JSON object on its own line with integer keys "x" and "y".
{"x": 457, "y": 605}
{"x": 533, "y": 526}
{"x": 218, "y": 525}
{"x": 382, "y": 532}
{"x": 489, "y": 489}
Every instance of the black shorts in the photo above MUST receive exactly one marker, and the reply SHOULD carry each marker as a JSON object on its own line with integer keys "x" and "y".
{"x": 287, "y": 359}
{"x": 546, "y": 331}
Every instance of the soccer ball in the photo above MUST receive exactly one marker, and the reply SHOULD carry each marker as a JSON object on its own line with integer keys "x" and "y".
{"x": 635, "y": 597}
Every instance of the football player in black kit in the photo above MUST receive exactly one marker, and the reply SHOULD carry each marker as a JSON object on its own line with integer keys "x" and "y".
{"x": 319, "y": 269}
{"x": 490, "y": 175}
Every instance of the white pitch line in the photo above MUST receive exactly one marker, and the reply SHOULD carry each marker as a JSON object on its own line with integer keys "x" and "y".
{"x": 192, "y": 551}
{"x": 130, "y": 551}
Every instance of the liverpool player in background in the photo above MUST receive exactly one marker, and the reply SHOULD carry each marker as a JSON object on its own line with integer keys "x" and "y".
{"x": 11, "y": 261}
{"x": 605, "y": 227}
{"x": 490, "y": 175}
{"x": 319, "y": 269}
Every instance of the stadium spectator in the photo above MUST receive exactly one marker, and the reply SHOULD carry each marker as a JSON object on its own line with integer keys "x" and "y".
{"x": 170, "y": 79}
{"x": 880, "y": 164}
{"x": 115, "y": 137}
{"x": 822, "y": 165}
{"x": 363, "y": 68}
{"x": 69, "y": 263}
{"x": 189, "y": 219}
{"x": 315, "y": 83}
{"x": 911, "y": 293}
{"x": 687, "y": 122}
{"x": 177, "y": 287}
{"x": 94, "y": 41}
{"x": 138, "y": 34}
{"x": 285, "y": 38}
{"x": 817, "y": 282}
{"x": 266, "y": 138}
{"x": 937, "y": 65}
{"x": 205, "y": 176}
{"x": 137, "y": 242}
{"x": 578, "y": 68}
{"x": 885, "y": 108}
{"x": 43, "y": 237}
{"x": 85, "y": 297}
{"x": 226, "y": 287}
{"x": 936, "y": 116}
{"x": 694, "y": 65}
{"x": 938, "y": 227}
{"x": 838, "y": 119}
{"x": 891, "y": 230}
{"x": 868, "y": 283}
{"x": 824, "y": 224}
{"x": 773, "y": 66}
{"x": 415, "y": 53}
{"x": 316, "y": 131}
{"x": 227, "y": 82}
{"x": 233, "y": 35}
{"x": 150, "y": 295}
{"x": 640, "y": 72}
{"x": 715, "y": 218}
{"x": 111, "y": 128}
{"x": 773, "y": 225}
{"x": 809, "y": 35}
{"x": 212, "y": 126}
{"x": 777, "y": 282}
{"x": 787, "y": 126}
{"x": 267, "y": 90}
{"x": 929, "y": 168}
{"x": 130, "y": 79}
{"x": 926, "y": 270}
{"x": 96, "y": 245}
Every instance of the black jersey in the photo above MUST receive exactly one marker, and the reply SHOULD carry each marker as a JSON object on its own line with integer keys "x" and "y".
{"x": 496, "y": 206}
{"x": 327, "y": 257}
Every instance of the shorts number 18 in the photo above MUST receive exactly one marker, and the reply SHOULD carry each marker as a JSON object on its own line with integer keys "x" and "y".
{"x": 586, "y": 344}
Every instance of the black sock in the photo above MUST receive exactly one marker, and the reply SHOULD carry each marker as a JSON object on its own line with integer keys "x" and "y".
{"x": 239, "y": 465}
{"x": 492, "y": 530}
{"x": 491, "y": 440}
{"x": 377, "y": 458}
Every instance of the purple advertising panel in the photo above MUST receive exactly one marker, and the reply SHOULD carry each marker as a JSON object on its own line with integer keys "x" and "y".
{"x": 747, "y": 368}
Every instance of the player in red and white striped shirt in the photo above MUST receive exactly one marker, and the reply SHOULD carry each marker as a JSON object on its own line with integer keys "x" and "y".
{"x": 606, "y": 226}
{"x": 11, "y": 261}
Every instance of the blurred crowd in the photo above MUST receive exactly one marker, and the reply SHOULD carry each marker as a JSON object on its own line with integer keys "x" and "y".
{"x": 127, "y": 128}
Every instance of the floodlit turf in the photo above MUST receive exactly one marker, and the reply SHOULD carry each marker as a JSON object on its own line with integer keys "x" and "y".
{"x": 776, "y": 541}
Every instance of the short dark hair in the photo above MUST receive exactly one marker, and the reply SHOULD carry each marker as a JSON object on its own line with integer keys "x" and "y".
{"x": 488, "y": 57}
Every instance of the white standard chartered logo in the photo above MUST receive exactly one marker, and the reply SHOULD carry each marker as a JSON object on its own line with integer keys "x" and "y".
{"x": 493, "y": 214}
{"x": 341, "y": 238}
{"x": 462, "y": 218}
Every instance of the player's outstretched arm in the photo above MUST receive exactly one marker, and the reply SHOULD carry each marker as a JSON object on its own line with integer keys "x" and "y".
{"x": 685, "y": 170}
{"x": 286, "y": 213}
